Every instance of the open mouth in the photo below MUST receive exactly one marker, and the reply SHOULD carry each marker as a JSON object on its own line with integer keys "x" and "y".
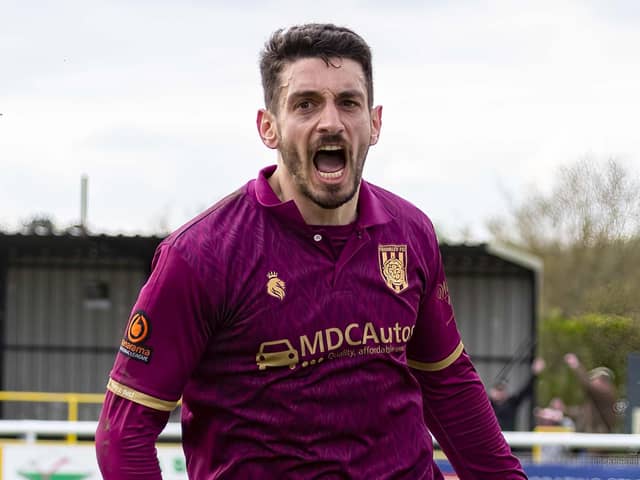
{"x": 330, "y": 161}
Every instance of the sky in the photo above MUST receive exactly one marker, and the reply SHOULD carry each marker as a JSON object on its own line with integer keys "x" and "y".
{"x": 155, "y": 101}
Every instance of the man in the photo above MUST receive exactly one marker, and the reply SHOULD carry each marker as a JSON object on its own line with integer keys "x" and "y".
{"x": 303, "y": 318}
{"x": 598, "y": 413}
{"x": 506, "y": 404}
{"x": 553, "y": 418}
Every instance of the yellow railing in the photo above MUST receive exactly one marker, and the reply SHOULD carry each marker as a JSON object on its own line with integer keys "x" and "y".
{"x": 73, "y": 400}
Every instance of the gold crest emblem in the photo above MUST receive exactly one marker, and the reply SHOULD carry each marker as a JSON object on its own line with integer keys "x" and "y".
{"x": 393, "y": 266}
{"x": 275, "y": 286}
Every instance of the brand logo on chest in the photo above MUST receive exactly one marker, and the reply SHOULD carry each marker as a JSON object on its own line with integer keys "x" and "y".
{"x": 275, "y": 286}
{"x": 393, "y": 266}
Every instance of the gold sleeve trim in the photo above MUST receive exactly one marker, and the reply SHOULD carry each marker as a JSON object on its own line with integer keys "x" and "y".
{"x": 435, "y": 366}
{"x": 139, "y": 397}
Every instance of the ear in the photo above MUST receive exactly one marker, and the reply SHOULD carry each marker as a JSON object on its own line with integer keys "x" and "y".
{"x": 266, "y": 123}
{"x": 376, "y": 124}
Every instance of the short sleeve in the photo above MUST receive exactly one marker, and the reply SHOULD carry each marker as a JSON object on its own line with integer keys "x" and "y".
{"x": 435, "y": 343}
{"x": 165, "y": 336}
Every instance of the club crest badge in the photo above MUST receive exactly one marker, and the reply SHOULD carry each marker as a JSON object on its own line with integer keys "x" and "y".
{"x": 393, "y": 266}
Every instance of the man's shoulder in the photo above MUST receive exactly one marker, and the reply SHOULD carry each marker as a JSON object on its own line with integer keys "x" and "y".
{"x": 227, "y": 214}
{"x": 401, "y": 209}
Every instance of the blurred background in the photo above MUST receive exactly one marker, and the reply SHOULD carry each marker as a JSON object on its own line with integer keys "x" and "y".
{"x": 513, "y": 125}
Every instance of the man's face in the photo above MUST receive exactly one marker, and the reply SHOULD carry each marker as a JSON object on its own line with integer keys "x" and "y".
{"x": 498, "y": 393}
{"x": 324, "y": 128}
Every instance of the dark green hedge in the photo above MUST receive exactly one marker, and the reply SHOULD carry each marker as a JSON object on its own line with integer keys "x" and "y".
{"x": 597, "y": 340}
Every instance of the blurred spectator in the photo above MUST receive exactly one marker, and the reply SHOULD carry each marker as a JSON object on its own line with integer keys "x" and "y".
{"x": 554, "y": 415}
{"x": 598, "y": 412}
{"x": 553, "y": 418}
{"x": 506, "y": 404}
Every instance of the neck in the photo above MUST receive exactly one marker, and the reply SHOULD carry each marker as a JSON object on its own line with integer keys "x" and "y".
{"x": 312, "y": 213}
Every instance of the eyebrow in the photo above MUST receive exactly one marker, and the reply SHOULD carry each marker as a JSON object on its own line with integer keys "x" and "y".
{"x": 315, "y": 93}
{"x": 351, "y": 94}
{"x": 303, "y": 94}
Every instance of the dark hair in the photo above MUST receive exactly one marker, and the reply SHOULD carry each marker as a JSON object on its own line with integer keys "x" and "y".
{"x": 311, "y": 40}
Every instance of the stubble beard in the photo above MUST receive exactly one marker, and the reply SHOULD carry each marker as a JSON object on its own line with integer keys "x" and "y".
{"x": 330, "y": 198}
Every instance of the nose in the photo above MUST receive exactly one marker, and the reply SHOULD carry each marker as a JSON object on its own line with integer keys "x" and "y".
{"x": 330, "y": 120}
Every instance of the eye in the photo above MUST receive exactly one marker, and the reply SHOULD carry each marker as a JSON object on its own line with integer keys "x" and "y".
{"x": 350, "y": 104}
{"x": 303, "y": 105}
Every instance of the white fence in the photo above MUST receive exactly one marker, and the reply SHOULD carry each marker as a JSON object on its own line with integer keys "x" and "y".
{"x": 29, "y": 458}
{"x": 30, "y": 430}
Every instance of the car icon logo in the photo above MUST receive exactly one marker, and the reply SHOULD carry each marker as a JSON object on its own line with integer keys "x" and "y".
{"x": 277, "y": 353}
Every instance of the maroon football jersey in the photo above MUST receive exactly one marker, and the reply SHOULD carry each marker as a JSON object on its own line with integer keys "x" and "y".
{"x": 294, "y": 358}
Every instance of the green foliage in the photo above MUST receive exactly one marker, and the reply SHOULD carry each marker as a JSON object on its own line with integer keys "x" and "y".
{"x": 597, "y": 340}
{"x": 603, "y": 278}
{"x": 586, "y": 231}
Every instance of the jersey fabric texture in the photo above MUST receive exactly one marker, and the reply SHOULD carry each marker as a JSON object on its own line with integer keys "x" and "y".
{"x": 294, "y": 358}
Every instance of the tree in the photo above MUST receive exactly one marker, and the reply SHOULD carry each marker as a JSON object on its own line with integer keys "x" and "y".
{"x": 39, "y": 225}
{"x": 586, "y": 230}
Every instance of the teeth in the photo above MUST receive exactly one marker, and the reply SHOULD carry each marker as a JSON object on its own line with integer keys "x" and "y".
{"x": 330, "y": 148}
{"x": 337, "y": 174}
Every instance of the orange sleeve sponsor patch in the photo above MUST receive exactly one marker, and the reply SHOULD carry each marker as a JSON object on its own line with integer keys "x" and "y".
{"x": 138, "y": 328}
